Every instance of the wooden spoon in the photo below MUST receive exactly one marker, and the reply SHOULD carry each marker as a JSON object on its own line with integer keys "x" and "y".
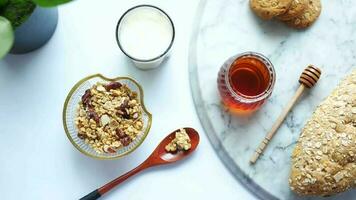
{"x": 158, "y": 157}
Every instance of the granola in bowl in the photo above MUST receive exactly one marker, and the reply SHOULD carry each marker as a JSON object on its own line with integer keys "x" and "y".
{"x": 79, "y": 96}
{"x": 109, "y": 117}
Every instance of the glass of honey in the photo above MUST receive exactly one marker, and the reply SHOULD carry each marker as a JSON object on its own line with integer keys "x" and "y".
{"x": 245, "y": 81}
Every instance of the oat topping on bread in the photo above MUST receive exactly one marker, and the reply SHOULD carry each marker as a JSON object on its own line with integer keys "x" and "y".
{"x": 324, "y": 159}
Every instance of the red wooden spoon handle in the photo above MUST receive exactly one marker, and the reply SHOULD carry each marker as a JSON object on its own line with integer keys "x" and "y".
{"x": 123, "y": 178}
{"x": 107, "y": 187}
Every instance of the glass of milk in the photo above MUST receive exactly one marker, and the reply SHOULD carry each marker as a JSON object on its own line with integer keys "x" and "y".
{"x": 145, "y": 34}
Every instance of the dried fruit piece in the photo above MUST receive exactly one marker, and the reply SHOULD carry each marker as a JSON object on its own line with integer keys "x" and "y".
{"x": 81, "y": 135}
{"x": 112, "y": 86}
{"x": 125, "y": 141}
{"x": 86, "y": 98}
{"x": 124, "y": 105}
{"x": 93, "y": 115}
{"x": 108, "y": 149}
{"x": 122, "y": 109}
{"x": 126, "y": 115}
{"x": 120, "y": 134}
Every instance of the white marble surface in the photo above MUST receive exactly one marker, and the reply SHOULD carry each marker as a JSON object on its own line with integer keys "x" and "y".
{"x": 228, "y": 28}
{"x": 36, "y": 159}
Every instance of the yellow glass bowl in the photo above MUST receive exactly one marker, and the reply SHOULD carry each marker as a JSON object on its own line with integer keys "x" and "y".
{"x": 70, "y": 113}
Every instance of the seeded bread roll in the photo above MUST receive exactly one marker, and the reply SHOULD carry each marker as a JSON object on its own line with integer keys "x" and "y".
{"x": 324, "y": 159}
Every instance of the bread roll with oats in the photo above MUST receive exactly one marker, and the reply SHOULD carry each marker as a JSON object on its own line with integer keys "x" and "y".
{"x": 324, "y": 159}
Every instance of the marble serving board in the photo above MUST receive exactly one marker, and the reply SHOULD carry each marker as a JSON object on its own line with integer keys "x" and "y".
{"x": 226, "y": 28}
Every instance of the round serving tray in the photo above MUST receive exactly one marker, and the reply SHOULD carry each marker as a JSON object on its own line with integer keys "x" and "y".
{"x": 225, "y": 28}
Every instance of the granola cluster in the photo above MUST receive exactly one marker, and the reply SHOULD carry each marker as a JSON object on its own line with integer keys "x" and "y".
{"x": 180, "y": 142}
{"x": 109, "y": 117}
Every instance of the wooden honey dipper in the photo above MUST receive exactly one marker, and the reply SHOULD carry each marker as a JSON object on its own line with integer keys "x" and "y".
{"x": 307, "y": 79}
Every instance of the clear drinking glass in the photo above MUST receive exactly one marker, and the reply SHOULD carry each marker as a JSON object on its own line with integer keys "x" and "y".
{"x": 245, "y": 81}
{"x": 156, "y": 60}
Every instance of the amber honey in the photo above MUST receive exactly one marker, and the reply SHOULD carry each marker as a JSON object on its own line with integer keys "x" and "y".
{"x": 245, "y": 82}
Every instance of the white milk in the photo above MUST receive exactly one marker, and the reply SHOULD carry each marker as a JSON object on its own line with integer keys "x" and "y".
{"x": 145, "y": 34}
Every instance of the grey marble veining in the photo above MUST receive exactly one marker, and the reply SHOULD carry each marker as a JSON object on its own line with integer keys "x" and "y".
{"x": 229, "y": 27}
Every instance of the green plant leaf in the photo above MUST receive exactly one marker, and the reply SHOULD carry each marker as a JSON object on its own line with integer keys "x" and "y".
{"x": 3, "y": 3}
{"x": 6, "y": 36}
{"x": 50, "y": 3}
{"x": 18, "y": 11}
